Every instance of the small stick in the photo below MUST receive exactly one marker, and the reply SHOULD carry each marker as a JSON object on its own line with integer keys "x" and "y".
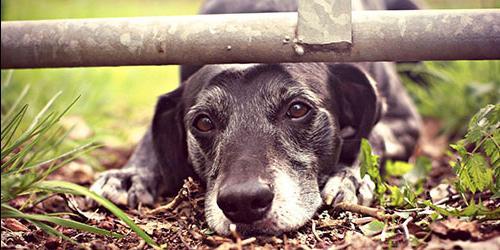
{"x": 363, "y": 220}
{"x": 446, "y": 199}
{"x": 166, "y": 207}
{"x": 373, "y": 212}
{"x": 232, "y": 228}
{"x": 314, "y": 231}
{"x": 248, "y": 241}
{"x": 405, "y": 227}
{"x": 383, "y": 234}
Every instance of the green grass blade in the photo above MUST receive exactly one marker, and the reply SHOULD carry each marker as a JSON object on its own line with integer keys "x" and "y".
{"x": 52, "y": 231}
{"x": 18, "y": 100}
{"x": 27, "y": 135}
{"x": 51, "y": 185}
{"x": 43, "y": 111}
{"x": 12, "y": 125}
{"x": 11, "y": 212}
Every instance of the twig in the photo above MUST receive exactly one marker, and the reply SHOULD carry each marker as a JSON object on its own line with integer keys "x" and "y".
{"x": 166, "y": 207}
{"x": 181, "y": 237}
{"x": 236, "y": 235}
{"x": 405, "y": 227}
{"x": 362, "y": 221}
{"x": 248, "y": 241}
{"x": 446, "y": 199}
{"x": 373, "y": 212}
{"x": 315, "y": 233}
{"x": 383, "y": 234}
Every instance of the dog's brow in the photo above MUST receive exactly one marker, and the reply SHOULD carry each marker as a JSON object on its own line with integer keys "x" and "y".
{"x": 285, "y": 93}
{"x": 300, "y": 91}
{"x": 213, "y": 98}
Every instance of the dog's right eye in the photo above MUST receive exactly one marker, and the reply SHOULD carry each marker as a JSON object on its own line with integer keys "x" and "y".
{"x": 298, "y": 110}
{"x": 203, "y": 123}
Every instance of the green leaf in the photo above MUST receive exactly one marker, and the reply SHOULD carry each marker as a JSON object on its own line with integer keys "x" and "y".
{"x": 372, "y": 228}
{"x": 9, "y": 212}
{"x": 64, "y": 186}
{"x": 479, "y": 172}
{"x": 397, "y": 168}
{"x": 369, "y": 165}
{"x": 369, "y": 162}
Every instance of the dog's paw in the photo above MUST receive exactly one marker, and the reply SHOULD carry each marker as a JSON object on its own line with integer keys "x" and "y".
{"x": 125, "y": 187}
{"x": 345, "y": 187}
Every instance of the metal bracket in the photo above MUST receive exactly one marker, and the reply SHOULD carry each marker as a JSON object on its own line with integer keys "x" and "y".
{"x": 325, "y": 23}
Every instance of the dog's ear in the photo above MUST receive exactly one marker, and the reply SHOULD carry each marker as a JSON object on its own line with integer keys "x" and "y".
{"x": 356, "y": 104}
{"x": 169, "y": 139}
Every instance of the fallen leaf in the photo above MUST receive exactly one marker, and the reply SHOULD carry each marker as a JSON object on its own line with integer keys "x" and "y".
{"x": 440, "y": 192}
{"x": 454, "y": 228}
{"x": 15, "y": 225}
{"x": 372, "y": 228}
{"x": 437, "y": 243}
{"x": 155, "y": 225}
{"x": 359, "y": 241}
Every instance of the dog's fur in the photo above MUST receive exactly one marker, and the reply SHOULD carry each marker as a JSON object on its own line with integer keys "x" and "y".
{"x": 254, "y": 140}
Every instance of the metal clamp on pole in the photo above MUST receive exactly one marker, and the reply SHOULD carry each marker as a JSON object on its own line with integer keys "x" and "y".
{"x": 324, "y": 25}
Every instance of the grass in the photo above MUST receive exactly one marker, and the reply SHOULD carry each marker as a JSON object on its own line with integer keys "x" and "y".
{"x": 30, "y": 155}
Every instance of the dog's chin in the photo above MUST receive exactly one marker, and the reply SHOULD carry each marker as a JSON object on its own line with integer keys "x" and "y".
{"x": 266, "y": 226}
{"x": 261, "y": 227}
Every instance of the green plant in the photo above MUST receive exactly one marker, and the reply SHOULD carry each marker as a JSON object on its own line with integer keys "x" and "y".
{"x": 392, "y": 195}
{"x": 477, "y": 166}
{"x": 453, "y": 91}
{"x": 29, "y": 156}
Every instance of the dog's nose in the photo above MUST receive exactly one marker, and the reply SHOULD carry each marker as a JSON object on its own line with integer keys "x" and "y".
{"x": 245, "y": 202}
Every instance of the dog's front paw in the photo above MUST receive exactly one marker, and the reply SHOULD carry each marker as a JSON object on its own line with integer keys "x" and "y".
{"x": 347, "y": 187}
{"x": 125, "y": 187}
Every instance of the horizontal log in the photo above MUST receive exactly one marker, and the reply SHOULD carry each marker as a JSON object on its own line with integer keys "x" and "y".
{"x": 245, "y": 38}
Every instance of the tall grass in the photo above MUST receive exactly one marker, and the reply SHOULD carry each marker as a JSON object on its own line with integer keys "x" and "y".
{"x": 30, "y": 152}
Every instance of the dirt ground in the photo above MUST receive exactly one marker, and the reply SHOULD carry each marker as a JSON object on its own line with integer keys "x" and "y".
{"x": 179, "y": 223}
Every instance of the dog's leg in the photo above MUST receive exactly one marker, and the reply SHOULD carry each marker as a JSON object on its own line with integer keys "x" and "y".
{"x": 348, "y": 186}
{"x": 137, "y": 182}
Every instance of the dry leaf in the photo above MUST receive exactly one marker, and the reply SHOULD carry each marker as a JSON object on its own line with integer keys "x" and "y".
{"x": 15, "y": 225}
{"x": 437, "y": 243}
{"x": 456, "y": 229}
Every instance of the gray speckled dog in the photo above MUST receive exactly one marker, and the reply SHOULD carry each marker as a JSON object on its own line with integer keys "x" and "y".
{"x": 271, "y": 142}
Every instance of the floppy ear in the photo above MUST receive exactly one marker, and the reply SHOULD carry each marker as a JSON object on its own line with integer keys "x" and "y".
{"x": 169, "y": 139}
{"x": 356, "y": 104}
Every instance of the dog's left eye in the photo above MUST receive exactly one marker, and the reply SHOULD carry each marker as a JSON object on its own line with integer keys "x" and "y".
{"x": 298, "y": 110}
{"x": 203, "y": 123}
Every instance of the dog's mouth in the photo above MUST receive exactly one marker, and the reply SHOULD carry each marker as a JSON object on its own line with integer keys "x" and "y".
{"x": 266, "y": 226}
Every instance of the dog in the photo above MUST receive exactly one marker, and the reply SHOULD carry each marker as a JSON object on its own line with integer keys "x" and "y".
{"x": 271, "y": 142}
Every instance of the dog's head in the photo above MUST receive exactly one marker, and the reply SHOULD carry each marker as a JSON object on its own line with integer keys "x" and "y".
{"x": 263, "y": 138}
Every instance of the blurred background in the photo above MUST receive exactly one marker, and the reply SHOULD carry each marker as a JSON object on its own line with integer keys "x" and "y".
{"x": 117, "y": 103}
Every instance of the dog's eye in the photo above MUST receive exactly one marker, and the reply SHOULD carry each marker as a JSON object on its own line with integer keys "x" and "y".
{"x": 203, "y": 123}
{"x": 298, "y": 110}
